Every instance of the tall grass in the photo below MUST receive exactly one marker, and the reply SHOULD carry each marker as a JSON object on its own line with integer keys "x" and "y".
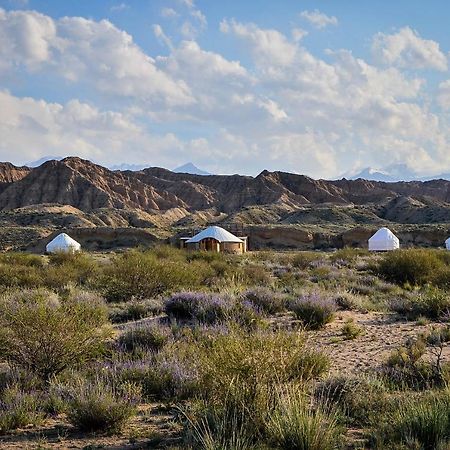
{"x": 425, "y": 420}
{"x": 297, "y": 423}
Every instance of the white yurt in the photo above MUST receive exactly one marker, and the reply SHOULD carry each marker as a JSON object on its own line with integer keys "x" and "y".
{"x": 383, "y": 240}
{"x": 217, "y": 239}
{"x": 447, "y": 244}
{"x": 63, "y": 243}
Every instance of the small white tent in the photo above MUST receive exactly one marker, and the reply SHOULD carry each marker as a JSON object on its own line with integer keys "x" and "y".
{"x": 63, "y": 243}
{"x": 447, "y": 244}
{"x": 384, "y": 240}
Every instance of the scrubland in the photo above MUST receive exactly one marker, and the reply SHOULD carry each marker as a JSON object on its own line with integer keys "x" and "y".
{"x": 270, "y": 350}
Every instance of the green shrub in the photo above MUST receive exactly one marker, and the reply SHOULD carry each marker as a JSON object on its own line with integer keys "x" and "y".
{"x": 142, "y": 275}
{"x": 21, "y": 259}
{"x": 45, "y": 335}
{"x": 350, "y": 330}
{"x": 251, "y": 362}
{"x": 19, "y": 276}
{"x": 69, "y": 268}
{"x": 297, "y": 423}
{"x": 406, "y": 367}
{"x": 303, "y": 260}
{"x": 414, "y": 266}
{"x": 95, "y": 405}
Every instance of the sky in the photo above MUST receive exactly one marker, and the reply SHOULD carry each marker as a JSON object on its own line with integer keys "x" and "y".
{"x": 322, "y": 88}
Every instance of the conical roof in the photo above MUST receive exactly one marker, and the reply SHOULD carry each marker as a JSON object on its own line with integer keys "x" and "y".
{"x": 214, "y": 232}
{"x": 384, "y": 234}
{"x": 62, "y": 242}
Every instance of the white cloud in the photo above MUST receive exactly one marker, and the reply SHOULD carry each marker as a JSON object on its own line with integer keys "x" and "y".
{"x": 169, "y": 13}
{"x": 298, "y": 34}
{"x": 408, "y": 50}
{"x": 119, "y": 7}
{"x": 443, "y": 96}
{"x": 318, "y": 19}
{"x": 285, "y": 108}
{"x": 83, "y": 50}
{"x": 25, "y": 38}
{"x": 33, "y": 128}
{"x": 161, "y": 36}
{"x": 266, "y": 44}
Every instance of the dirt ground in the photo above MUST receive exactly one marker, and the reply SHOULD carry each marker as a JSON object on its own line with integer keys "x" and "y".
{"x": 382, "y": 333}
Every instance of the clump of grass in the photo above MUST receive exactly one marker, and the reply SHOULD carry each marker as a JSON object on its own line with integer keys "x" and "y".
{"x": 347, "y": 301}
{"x": 219, "y": 428}
{"x": 314, "y": 310}
{"x": 361, "y": 399}
{"x": 19, "y": 408}
{"x": 151, "y": 337}
{"x": 298, "y": 423}
{"x": 422, "y": 321}
{"x": 429, "y": 302}
{"x": 304, "y": 260}
{"x": 350, "y": 330}
{"x": 135, "y": 310}
{"x": 424, "y": 420}
{"x": 96, "y": 405}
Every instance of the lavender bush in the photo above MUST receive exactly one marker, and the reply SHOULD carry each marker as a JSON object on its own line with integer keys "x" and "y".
{"x": 151, "y": 337}
{"x": 315, "y": 310}
{"x": 204, "y": 308}
{"x": 266, "y": 300}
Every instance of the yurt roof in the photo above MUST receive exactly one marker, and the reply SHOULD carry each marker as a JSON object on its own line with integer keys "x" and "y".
{"x": 214, "y": 232}
{"x": 384, "y": 234}
{"x": 64, "y": 240}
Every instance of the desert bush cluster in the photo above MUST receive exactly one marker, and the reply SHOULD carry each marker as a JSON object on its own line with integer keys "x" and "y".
{"x": 226, "y": 343}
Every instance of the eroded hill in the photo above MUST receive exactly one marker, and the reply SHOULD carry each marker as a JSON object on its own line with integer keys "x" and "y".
{"x": 75, "y": 193}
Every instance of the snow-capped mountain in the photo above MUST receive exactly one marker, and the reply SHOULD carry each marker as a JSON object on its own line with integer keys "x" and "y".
{"x": 190, "y": 168}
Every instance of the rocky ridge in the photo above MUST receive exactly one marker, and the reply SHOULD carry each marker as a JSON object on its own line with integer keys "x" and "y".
{"x": 76, "y": 193}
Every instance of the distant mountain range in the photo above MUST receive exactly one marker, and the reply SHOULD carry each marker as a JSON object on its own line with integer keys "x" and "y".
{"x": 186, "y": 168}
{"x": 42, "y": 160}
{"x": 190, "y": 168}
{"x": 389, "y": 174}
{"x": 393, "y": 173}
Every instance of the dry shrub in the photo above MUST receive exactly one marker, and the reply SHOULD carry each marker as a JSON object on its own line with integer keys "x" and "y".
{"x": 44, "y": 334}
